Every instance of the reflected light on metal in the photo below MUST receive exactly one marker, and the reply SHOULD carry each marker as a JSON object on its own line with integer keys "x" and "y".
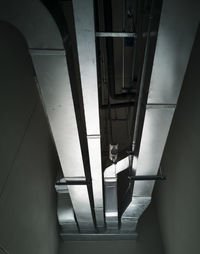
{"x": 169, "y": 67}
{"x": 110, "y": 187}
{"x": 135, "y": 162}
{"x": 46, "y": 47}
{"x": 85, "y": 37}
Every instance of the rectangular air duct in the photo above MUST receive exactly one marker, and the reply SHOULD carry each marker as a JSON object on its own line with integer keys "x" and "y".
{"x": 85, "y": 37}
{"x": 54, "y": 86}
{"x": 174, "y": 44}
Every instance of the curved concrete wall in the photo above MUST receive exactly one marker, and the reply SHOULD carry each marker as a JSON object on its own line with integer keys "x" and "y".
{"x": 178, "y": 202}
{"x": 28, "y": 159}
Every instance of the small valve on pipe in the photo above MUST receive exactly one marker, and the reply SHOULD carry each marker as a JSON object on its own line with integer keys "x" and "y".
{"x": 113, "y": 153}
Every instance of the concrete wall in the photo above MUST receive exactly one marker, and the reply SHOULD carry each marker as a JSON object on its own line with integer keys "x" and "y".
{"x": 28, "y": 160}
{"x": 178, "y": 201}
{"x": 148, "y": 242}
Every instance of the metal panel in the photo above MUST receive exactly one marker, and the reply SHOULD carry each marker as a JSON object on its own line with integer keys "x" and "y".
{"x": 85, "y": 36}
{"x": 179, "y": 20}
{"x": 46, "y": 46}
{"x": 133, "y": 213}
{"x": 65, "y": 211}
{"x": 155, "y": 130}
{"x": 157, "y": 123}
{"x": 94, "y": 144}
{"x": 55, "y": 90}
{"x": 174, "y": 44}
{"x": 110, "y": 186}
{"x": 81, "y": 204}
{"x": 111, "y": 205}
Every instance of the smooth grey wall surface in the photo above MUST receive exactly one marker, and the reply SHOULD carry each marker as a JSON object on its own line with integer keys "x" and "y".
{"x": 28, "y": 160}
{"x": 148, "y": 241}
{"x": 178, "y": 198}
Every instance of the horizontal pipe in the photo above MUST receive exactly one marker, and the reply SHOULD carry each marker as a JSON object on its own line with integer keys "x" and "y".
{"x": 115, "y": 34}
{"x": 148, "y": 178}
{"x": 78, "y": 182}
{"x": 122, "y": 35}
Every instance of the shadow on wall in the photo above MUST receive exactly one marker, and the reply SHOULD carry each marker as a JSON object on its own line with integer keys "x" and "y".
{"x": 28, "y": 159}
{"x": 178, "y": 202}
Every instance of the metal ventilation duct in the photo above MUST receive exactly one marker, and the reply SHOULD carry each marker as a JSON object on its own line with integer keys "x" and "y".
{"x": 85, "y": 37}
{"x": 110, "y": 186}
{"x": 174, "y": 44}
{"x": 66, "y": 215}
{"x": 48, "y": 55}
{"x": 175, "y": 40}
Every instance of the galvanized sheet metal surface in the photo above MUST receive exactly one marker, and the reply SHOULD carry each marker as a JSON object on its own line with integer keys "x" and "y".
{"x": 179, "y": 20}
{"x": 54, "y": 84}
{"x": 85, "y": 37}
{"x": 178, "y": 25}
{"x": 81, "y": 205}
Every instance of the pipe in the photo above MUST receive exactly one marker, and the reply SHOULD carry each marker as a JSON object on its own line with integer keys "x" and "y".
{"x": 147, "y": 178}
{"x": 143, "y": 76}
{"x": 73, "y": 183}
